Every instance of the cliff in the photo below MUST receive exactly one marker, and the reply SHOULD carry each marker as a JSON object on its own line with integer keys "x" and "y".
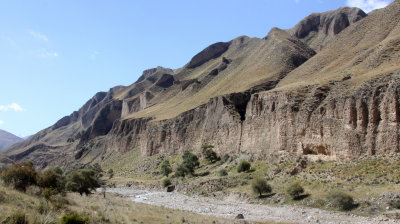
{"x": 327, "y": 88}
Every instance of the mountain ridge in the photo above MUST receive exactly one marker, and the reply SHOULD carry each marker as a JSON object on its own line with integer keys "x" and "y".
{"x": 278, "y": 94}
{"x": 7, "y": 139}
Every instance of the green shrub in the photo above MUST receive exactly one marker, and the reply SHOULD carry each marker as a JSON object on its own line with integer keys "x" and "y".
{"x": 47, "y": 193}
{"x": 18, "y": 218}
{"x": 73, "y": 218}
{"x": 82, "y": 181}
{"x": 52, "y": 178}
{"x": 20, "y": 175}
{"x": 260, "y": 186}
{"x": 209, "y": 153}
{"x": 222, "y": 172}
{"x": 395, "y": 203}
{"x": 166, "y": 182}
{"x": 110, "y": 173}
{"x": 165, "y": 168}
{"x": 188, "y": 165}
{"x": 295, "y": 190}
{"x": 243, "y": 166}
{"x": 340, "y": 200}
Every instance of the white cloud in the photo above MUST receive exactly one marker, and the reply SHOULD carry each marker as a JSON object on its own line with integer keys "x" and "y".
{"x": 38, "y": 36}
{"x": 1, "y": 122}
{"x": 13, "y": 106}
{"x": 45, "y": 53}
{"x": 368, "y": 5}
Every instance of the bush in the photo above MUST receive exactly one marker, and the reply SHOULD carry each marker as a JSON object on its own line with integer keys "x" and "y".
{"x": 188, "y": 165}
{"x": 110, "y": 173}
{"x": 165, "y": 168}
{"x": 260, "y": 186}
{"x": 73, "y": 218}
{"x": 209, "y": 153}
{"x": 82, "y": 181}
{"x": 222, "y": 172}
{"x": 395, "y": 203}
{"x": 20, "y": 175}
{"x": 166, "y": 182}
{"x": 295, "y": 190}
{"x": 18, "y": 218}
{"x": 243, "y": 166}
{"x": 340, "y": 200}
{"x": 47, "y": 193}
{"x": 52, "y": 178}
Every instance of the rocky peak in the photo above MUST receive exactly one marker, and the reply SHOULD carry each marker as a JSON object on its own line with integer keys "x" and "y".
{"x": 211, "y": 52}
{"x": 317, "y": 29}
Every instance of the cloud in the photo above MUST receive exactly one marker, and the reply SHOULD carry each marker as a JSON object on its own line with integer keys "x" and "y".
{"x": 13, "y": 106}
{"x": 45, "y": 53}
{"x": 297, "y": 1}
{"x": 1, "y": 122}
{"x": 368, "y": 5}
{"x": 38, "y": 36}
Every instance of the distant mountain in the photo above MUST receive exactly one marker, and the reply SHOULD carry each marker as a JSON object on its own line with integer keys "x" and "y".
{"x": 7, "y": 139}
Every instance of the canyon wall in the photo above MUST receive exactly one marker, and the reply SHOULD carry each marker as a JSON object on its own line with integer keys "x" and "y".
{"x": 323, "y": 120}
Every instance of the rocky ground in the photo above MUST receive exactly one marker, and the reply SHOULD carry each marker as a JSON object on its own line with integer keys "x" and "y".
{"x": 230, "y": 207}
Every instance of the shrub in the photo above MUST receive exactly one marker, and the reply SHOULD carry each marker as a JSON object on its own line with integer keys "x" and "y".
{"x": 165, "y": 168}
{"x": 73, "y": 218}
{"x": 20, "y": 175}
{"x": 188, "y": 165}
{"x": 340, "y": 200}
{"x": 110, "y": 173}
{"x": 395, "y": 203}
{"x": 222, "y": 172}
{"x": 260, "y": 186}
{"x": 82, "y": 181}
{"x": 243, "y": 166}
{"x": 225, "y": 158}
{"x": 47, "y": 193}
{"x": 295, "y": 190}
{"x": 209, "y": 153}
{"x": 166, "y": 182}
{"x": 52, "y": 178}
{"x": 18, "y": 218}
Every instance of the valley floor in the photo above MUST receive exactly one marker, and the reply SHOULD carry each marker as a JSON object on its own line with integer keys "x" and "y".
{"x": 229, "y": 207}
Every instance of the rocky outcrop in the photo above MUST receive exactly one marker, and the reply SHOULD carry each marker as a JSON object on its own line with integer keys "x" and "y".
{"x": 209, "y": 53}
{"x": 318, "y": 29}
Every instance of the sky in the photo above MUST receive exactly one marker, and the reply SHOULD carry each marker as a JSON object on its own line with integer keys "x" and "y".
{"x": 55, "y": 55}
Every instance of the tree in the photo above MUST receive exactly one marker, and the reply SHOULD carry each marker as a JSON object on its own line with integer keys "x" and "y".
{"x": 188, "y": 165}
{"x": 260, "y": 186}
{"x": 165, "y": 168}
{"x": 243, "y": 166}
{"x": 209, "y": 153}
{"x": 166, "y": 183}
{"x": 53, "y": 179}
{"x": 20, "y": 175}
{"x": 295, "y": 190}
{"x": 82, "y": 181}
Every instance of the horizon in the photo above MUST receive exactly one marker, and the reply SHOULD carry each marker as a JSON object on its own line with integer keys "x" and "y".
{"x": 52, "y": 66}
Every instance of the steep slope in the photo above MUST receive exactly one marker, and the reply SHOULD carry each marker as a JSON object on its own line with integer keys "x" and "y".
{"x": 7, "y": 139}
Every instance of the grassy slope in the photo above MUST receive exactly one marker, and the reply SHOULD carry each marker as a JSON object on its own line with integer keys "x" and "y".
{"x": 99, "y": 210}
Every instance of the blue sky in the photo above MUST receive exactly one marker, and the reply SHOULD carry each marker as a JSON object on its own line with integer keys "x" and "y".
{"x": 55, "y": 55}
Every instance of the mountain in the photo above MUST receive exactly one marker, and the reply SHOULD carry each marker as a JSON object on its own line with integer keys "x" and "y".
{"x": 7, "y": 139}
{"x": 327, "y": 87}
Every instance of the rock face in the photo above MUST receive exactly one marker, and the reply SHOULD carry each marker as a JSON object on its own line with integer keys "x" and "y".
{"x": 254, "y": 96}
{"x": 318, "y": 29}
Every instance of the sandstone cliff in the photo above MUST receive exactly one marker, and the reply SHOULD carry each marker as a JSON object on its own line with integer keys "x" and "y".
{"x": 253, "y": 96}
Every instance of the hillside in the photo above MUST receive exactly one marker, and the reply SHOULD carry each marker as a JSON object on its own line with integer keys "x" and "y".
{"x": 326, "y": 88}
{"x": 7, "y": 139}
